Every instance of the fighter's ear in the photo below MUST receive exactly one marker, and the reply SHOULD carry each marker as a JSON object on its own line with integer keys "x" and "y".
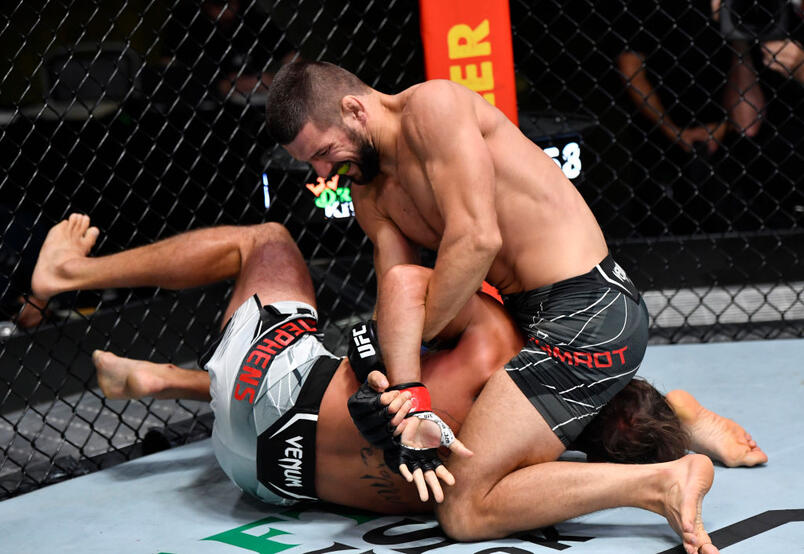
{"x": 353, "y": 108}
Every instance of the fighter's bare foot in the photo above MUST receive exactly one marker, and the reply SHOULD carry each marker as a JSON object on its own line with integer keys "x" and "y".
{"x": 32, "y": 311}
{"x": 126, "y": 378}
{"x": 716, "y": 436}
{"x": 67, "y": 241}
{"x": 692, "y": 478}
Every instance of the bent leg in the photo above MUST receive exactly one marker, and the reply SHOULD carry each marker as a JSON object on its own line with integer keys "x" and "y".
{"x": 272, "y": 267}
{"x": 186, "y": 260}
{"x": 718, "y": 437}
{"x": 513, "y": 482}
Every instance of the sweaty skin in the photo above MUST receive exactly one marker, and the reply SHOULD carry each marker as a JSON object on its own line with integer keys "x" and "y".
{"x": 458, "y": 177}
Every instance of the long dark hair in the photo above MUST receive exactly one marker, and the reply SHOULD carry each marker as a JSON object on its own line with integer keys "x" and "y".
{"x": 637, "y": 426}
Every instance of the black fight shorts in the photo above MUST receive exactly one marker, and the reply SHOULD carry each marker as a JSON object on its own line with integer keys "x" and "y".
{"x": 585, "y": 339}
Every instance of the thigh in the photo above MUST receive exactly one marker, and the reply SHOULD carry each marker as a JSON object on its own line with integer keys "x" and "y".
{"x": 505, "y": 432}
{"x": 273, "y": 269}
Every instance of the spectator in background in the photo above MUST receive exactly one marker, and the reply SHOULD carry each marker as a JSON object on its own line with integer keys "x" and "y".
{"x": 674, "y": 64}
{"x": 786, "y": 57}
{"x": 690, "y": 69}
{"x": 228, "y": 48}
{"x": 673, "y": 60}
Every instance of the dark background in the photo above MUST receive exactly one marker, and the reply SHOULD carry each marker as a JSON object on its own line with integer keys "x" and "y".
{"x": 149, "y": 148}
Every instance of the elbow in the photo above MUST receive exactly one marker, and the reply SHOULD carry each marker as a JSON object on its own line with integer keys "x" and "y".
{"x": 486, "y": 242}
{"x": 478, "y": 235}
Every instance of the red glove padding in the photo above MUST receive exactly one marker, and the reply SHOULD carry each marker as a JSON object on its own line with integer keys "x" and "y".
{"x": 421, "y": 408}
{"x": 419, "y": 396}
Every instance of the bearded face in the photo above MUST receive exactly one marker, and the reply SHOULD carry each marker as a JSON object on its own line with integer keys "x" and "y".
{"x": 368, "y": 159}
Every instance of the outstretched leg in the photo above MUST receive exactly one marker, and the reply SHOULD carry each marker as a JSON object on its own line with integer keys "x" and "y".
{"x": 513, "y": 482}
{"x": 718, "y": 437}
{"x": 263, "y": 258}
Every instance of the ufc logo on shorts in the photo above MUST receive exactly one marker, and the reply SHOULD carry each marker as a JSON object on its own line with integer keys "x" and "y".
{"x": 363, "y": 343}
{"x": 619, "y": 272}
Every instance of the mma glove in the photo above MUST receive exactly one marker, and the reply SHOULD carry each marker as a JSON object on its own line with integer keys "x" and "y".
{"x": 426, "y": 459}
{"x": 371, "y": 418}
{"x": 368, "y": 414}
{"x": 421, "y": 408}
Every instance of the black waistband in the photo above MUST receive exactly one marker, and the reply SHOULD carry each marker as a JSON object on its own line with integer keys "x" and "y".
{"x": 286, "y": 450}
{"x": 607, "y": 272}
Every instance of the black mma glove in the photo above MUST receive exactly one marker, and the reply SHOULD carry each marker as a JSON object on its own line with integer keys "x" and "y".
{"x": 372, "y": 418}
{"x": 391, "y": 457}
{"x": 414, "y": 458}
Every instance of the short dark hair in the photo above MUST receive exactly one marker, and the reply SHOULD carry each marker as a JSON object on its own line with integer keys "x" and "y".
{"x": 637, "y": 426}
{"x": 305, "y": 91}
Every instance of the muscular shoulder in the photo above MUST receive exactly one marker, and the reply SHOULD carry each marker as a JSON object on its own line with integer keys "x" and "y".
{"x": 435, "y": 107}
{"x": 436, "y": 101}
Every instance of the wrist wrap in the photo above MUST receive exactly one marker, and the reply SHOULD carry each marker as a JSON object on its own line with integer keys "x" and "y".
{"x": 419, "y": 396}
{"x": 364, "y": 350}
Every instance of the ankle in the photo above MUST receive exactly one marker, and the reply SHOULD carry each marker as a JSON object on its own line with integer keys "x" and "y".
{"x": 146, "y": 381}
{"x": 685, "y": 406}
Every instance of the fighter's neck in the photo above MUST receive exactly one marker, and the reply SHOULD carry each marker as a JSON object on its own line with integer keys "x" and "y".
{"x": 386, "y": 129}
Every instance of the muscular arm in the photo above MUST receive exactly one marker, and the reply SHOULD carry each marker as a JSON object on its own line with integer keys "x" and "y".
{"x": 647, "y": 101}
{"x": 399, "y": 320}
{"x": 391, "y": 247}
{"x": 441, "y": 128}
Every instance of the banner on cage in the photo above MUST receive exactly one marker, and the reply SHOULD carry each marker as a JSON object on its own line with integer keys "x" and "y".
{"x": 469, "y": 42}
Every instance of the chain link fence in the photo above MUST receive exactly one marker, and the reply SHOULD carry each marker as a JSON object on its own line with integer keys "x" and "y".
{"x": 682, "y": 128}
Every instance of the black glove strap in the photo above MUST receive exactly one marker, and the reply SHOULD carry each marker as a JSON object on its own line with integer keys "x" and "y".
{"x": 371, "y": 418}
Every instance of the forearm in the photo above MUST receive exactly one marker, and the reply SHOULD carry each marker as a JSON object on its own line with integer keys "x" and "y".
{"x": 643, "y": 94}
{"x": 400, "y": 320}
{"x": 459, "y": 271}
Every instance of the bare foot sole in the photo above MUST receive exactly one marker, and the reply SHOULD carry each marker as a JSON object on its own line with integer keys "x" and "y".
{"x": 694, "y": 474}
{"x": 71, "y": 239}
{"x": 124, "y": 378}
{"x": 716, "y": 436}
{"x": 32, "y": 311}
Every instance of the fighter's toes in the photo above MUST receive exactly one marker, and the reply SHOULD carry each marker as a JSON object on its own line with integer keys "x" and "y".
{"x": 754, "y": 457}
{"x": 74, "y": 222}
{"x": 89, "y": 238}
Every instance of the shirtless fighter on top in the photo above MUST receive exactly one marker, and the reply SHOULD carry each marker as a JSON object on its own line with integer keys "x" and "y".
{"x": 442, "y": 168}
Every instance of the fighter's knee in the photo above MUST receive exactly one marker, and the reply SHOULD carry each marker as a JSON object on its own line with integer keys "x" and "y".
{"x": 462, "y": 519}
{"x": 272, "y": 231}
{"x": 254, "y": 237}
